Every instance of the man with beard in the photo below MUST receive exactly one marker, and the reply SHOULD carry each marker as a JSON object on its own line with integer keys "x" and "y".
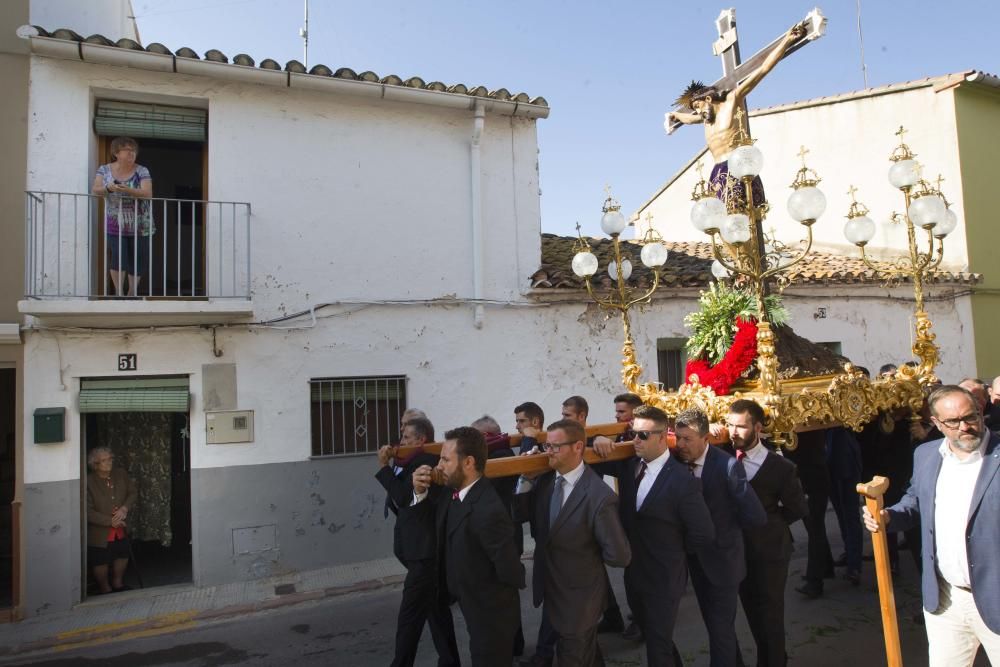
{"x": 414, "y": 545}
{"x": 478, "y": 563}
{"x": 954, "y": 495}
{"x": 718, "y": 567}
{"x": 717, "y": 111}
{"x": 768, "y": 548}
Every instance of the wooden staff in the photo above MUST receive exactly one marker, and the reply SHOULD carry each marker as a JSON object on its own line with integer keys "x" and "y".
{"x": 873, "y": 492}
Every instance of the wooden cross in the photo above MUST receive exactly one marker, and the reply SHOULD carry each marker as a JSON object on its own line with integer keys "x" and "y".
{"x": 727, "y": 47}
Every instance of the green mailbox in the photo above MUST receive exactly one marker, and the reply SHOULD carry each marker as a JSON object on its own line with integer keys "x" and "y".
{"x": 50, "y": 425}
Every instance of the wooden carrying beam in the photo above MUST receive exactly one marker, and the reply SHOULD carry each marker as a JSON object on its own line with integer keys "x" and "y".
{"x": 518, "y": 465}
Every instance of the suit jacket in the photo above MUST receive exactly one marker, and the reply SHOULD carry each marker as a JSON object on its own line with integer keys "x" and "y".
{"x": 413, "y": 534}
{"x": 570, "y": 555}
{"x": 777, "y": 486}
{"x": 672, "y": 521}
{"x": 102, "y": 501}
{"x": 733, "y": 506}
{"x": 982, "y": 531}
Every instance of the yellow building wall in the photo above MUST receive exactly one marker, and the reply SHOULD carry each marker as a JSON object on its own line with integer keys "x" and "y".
{"x": 977, "y": 117}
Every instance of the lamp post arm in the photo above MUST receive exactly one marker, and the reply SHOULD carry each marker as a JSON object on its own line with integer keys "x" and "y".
{"x": 882, "y": 267}
{"x": 779, "y": 268}
{"x": 648, "y": 295}
{"x": 717, "y": 253}
{"x": 603, "y": 303}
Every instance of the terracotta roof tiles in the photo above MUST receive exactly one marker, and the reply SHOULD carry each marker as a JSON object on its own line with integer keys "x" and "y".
{"x": 689, "y": 265}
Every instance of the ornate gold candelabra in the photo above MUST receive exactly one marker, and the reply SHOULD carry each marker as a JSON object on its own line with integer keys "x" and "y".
{"x": 925, "y": 208}
{"x": 621, "y": 297}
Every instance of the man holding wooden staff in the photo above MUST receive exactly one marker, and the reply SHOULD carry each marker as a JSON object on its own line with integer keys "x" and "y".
{"x": 954, "y": 495}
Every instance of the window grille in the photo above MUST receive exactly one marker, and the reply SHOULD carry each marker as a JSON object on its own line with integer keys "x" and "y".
{"x": 355, "y": 415}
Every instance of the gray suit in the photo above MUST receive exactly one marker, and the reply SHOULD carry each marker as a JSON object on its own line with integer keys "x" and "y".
{"x": 570, "y": 556}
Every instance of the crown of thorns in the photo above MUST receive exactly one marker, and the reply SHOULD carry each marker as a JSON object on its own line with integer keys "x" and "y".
{"x": 696, "y": 91}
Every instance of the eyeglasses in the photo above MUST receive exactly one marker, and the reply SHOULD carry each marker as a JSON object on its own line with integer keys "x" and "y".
{"x": 644, "y": 435}
{"x": 556, "y": 446}
{"x": 968, "y": 420}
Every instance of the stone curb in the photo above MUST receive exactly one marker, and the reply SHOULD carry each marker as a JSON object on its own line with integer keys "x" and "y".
{"x": 185, "y": 619}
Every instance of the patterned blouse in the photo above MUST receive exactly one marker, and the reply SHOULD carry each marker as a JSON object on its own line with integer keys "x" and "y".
{"x": 121, "y": 211}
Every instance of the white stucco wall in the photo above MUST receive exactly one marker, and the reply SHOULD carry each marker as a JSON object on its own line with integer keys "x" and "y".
{"x": 849, "y": 143}
{"x": 456, "y": 372}
{"x": 351, "y": 199}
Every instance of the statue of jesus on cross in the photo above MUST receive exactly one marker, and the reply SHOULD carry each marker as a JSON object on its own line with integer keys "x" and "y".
{"x": 716, "y": 106}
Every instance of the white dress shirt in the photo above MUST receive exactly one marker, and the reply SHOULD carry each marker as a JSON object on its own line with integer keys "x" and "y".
{"x": 572, "y": 477}
{"x": 753, "y": 459}
{"x": 699, "y": 463}
{"x": 956, "y": 483}
{"x": 653, "y": 469}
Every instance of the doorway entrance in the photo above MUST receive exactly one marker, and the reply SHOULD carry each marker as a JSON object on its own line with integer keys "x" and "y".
{"x": 141, "y": 422}
{"x": 8, "y": 474}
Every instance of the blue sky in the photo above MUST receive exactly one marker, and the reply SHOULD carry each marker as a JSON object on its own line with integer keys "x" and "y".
{"x": 609, "y": 70}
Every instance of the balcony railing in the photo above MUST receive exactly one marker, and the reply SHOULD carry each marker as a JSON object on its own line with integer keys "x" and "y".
{"x": 185, "y": 249}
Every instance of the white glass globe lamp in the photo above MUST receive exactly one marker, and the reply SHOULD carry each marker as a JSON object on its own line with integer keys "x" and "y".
{"x": 584, "y": 264}
{"x": 859, "y": 230}
{"x": 719, "y": 271}
{"x": 626, "y": 270}
{"x": 745, "y": 161}
{"x": 613, "y": 222}
{"x": 806, "y": 204}
{"x": 947, "y": 224}
{"x": 708, "y": 214}
{"x": 904, "y": 174}
{"x": 654, "y": 254}
{"x": 736, "y": 228}
{"x": 927, "y": 211}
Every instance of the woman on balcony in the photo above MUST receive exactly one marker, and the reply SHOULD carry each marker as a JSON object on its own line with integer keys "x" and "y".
{"x": 128, "y": 219}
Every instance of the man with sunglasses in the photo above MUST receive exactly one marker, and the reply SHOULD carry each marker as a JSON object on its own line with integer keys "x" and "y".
{"x": 954, "y": 496}
{"x": 577, "y": 532}
{"x": 665, "y": 516}
{"x": 718, "y": 568}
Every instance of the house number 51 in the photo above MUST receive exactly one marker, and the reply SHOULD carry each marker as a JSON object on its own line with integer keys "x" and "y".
{"x": 128, "y": 362}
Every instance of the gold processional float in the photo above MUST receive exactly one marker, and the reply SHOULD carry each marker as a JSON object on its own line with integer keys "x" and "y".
{"x": 792, "y": 401}
{"x": 755, "y": 261}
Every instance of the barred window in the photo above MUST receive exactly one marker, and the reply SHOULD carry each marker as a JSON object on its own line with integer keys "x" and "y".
{"x": 355, "y": 415}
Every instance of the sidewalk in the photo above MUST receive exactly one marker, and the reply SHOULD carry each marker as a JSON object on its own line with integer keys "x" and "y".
{"x": 152, "y": 611}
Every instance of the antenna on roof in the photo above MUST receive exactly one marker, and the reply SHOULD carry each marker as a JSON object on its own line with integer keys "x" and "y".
{"x": 304, "y": 34}
{"x": 861, "y": 41}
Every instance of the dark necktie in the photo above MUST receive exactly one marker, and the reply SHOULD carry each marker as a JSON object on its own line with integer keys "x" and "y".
{"x": 642, "y": 473}
{"x": 455, "y": 496}
{"x": 740, "y": 454}
{"x": 692, "y": 466}
{"x": 557, "y": 499}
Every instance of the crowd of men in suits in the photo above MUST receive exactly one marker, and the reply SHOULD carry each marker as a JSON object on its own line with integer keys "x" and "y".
{"x": 718, "y": 516}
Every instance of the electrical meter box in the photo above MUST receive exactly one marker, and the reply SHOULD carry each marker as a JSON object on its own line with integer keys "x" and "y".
{"x": 229, "y": 426}
{"x": 50, "y": 425}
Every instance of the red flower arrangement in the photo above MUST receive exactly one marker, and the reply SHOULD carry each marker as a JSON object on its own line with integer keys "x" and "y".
{"x": 741, "y": 354}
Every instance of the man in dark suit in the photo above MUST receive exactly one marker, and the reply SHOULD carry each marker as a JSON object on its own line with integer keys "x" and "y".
{"x": 578, "y": 532}
{"x": 414, "y": 545}
{"x": 665, "y": 515}
{"x": 954, "y": 496}
{"x": 769, "y": 547}
{"x": 478, "y": 563}
{"x": 718, "y": 567}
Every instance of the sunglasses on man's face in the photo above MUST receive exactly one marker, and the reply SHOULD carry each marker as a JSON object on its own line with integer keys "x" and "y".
{"x": 645, "y": 435}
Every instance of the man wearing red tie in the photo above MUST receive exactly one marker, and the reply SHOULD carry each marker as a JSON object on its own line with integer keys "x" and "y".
{"x": 478, "y": 563}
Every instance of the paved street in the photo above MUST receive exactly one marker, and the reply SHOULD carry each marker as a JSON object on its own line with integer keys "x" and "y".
{"x": 841, "y": 628}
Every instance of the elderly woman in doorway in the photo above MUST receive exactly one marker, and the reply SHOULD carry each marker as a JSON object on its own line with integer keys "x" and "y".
{"x": 127, "y": 187}
{"x": 110, "y": 496}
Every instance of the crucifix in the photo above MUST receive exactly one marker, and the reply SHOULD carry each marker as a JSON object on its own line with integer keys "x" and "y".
{"x": 716, "y": 105}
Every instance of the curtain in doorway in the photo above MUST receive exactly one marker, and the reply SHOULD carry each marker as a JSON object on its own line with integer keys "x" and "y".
{"x": 141, "y": 445}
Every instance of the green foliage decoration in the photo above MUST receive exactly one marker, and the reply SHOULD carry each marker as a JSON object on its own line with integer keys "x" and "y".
{"x": 713, "y": 326}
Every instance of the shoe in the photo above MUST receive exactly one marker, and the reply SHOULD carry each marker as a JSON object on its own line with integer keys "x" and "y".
{"x": 854, "y": 577}
{"x": 611, "y": 623}
{"x": 536, "y": 661}
{"x": 841, "y": 561}
{"x": 811, "y": 589}
{"x": 633, "y": 633}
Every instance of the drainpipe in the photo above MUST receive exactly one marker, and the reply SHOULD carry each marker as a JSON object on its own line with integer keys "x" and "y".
{"x": 475, "y": 173}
